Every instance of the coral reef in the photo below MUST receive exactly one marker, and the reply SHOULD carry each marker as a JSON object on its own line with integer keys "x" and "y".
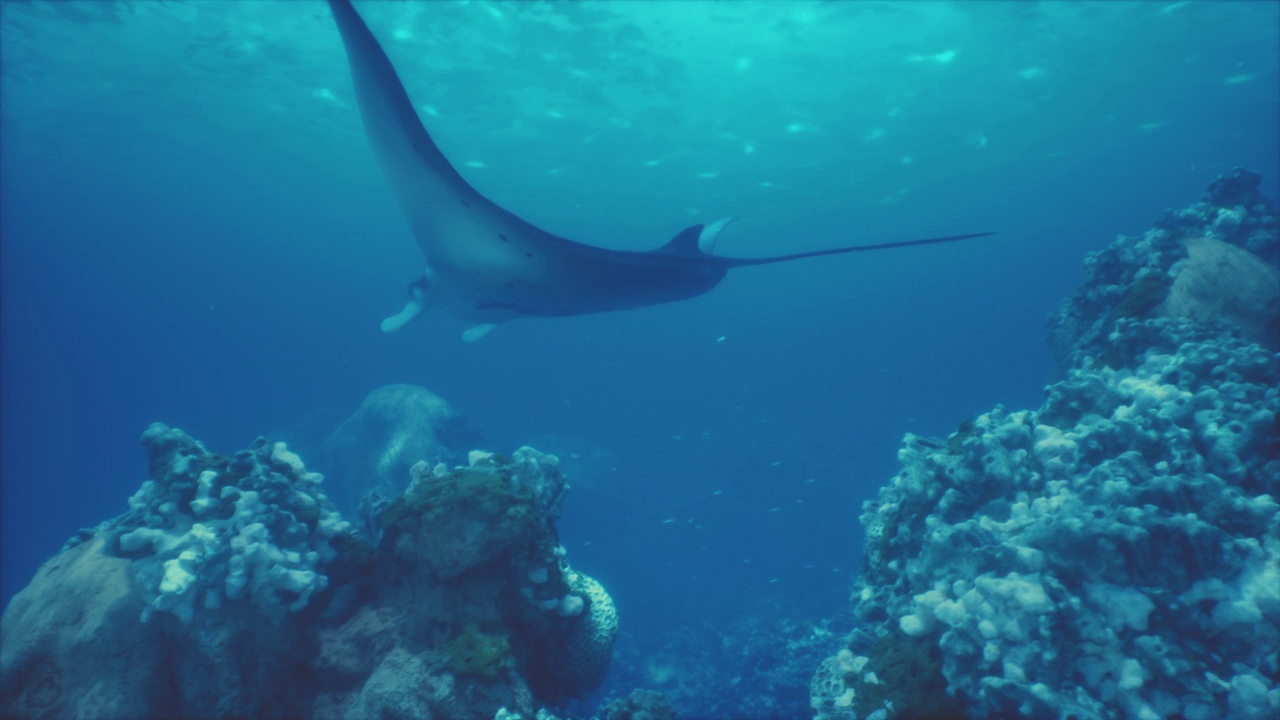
{"x": 232, "y": 588}
{"x": 218, "y": 560}
{"x": 578, "y": 653}
{"x": 207, "y": 529}
{"x": 1115, "y": 553}
{"x": 473, "y": 551}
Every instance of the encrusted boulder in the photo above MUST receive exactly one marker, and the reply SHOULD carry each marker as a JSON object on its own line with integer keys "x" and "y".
{"x": 77, "y": 616}
{"x": 456, "y": 519}
{"x": 1221, "y": 283}
{"x": 1210, "y": 269}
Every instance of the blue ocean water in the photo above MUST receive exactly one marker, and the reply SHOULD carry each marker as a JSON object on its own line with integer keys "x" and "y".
{"x": 195, "y": 232}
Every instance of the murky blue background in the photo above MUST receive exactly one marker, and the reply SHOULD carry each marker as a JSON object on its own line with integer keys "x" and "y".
{"x": 194, "y": 231}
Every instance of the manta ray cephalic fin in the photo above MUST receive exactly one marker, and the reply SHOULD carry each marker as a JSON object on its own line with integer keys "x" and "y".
{"x": 477, "y": 332}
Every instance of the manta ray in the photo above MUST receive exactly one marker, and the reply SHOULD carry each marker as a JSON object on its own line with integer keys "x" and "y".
{"x": 486, "y": 265}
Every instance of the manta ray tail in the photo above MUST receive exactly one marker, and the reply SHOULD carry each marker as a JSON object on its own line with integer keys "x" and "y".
{"x": 416, "y": 306}
{"x": 741, "y": 262}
